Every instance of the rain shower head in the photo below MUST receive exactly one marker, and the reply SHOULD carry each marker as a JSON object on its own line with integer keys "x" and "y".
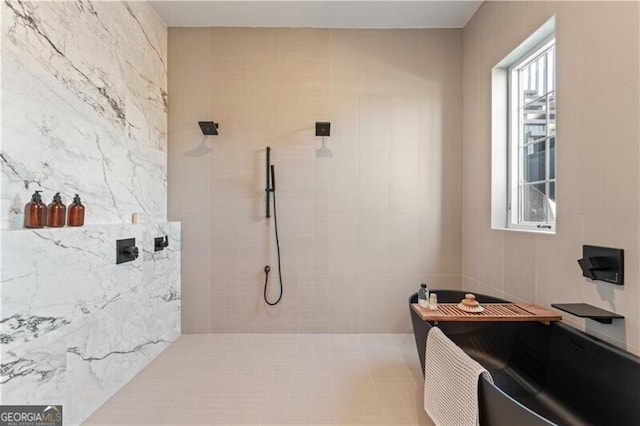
{"x": 208, "y": 127}
{"x": 323, "y": 128}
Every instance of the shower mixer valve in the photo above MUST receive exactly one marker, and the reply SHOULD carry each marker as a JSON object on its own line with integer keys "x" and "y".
{"x": 126, "y": 250}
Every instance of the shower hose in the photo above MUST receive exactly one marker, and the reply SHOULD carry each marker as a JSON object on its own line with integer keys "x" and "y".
{"x": 267, "y": 268}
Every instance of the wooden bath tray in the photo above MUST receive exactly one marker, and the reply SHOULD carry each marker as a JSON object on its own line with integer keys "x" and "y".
{"x": 493, "y": 312}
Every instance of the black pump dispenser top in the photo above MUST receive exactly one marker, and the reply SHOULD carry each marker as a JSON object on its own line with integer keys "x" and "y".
{"x": 36, "y": 197}
{"x": 76, "y": 200}
{"x": 57, "y": 198}
{"x": 423, "y": 285}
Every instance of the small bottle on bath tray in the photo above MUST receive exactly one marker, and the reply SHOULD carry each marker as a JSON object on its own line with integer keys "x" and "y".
{"x": 433, "y": 302}
{"x": 423, "y": 296}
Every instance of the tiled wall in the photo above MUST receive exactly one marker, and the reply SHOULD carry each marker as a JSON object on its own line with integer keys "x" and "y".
{"x": 597, "y": 160}
{"x": 74, "y": 326}
{"x": 84, "y": 108}
{"x": 359, "y": 231}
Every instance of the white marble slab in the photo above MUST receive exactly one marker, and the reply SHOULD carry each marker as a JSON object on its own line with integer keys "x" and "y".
{"x": 84, "y": 110}
{"x": 84, "y": 105}
{"x": 74, "y": 325}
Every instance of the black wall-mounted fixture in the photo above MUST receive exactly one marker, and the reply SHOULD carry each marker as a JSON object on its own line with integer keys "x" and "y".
{"x": 270, "y": 182}
{"x": 126, "y": 250}
{"x": 270, "y": 190}
{"x": 584, "y": 310}
{"x": 159, "y": 243}
{"x": 323, "y": 128}
{"x": 208, "y": 128}
{"x": 602, "y": 264}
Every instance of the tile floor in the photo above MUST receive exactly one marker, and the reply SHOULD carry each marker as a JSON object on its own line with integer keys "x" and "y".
{"x": 263, "y": 379}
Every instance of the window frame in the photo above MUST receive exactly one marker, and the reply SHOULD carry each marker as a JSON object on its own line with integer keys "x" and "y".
{"x": 515, "y": 142}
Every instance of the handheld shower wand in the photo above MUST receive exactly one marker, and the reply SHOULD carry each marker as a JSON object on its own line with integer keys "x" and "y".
{"x": 271, "y": 178}
{"x": 268, "y": 190}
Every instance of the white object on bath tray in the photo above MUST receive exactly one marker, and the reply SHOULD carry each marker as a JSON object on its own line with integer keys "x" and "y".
{"x": 450, "y": 382}
{"x": 470, "y": 304}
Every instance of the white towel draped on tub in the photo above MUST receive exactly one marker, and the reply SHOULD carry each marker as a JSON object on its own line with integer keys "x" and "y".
{"x": 450, "y": 382}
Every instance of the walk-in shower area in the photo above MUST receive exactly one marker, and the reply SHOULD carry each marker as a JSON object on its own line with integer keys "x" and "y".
{"x": 348, "y": 140}
{"x": 300, "y": 212}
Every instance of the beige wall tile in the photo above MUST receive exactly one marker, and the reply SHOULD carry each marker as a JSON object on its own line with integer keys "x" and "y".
{"x": 470, "y": 243}
{"x": 432, "y": 244}
{"x": 571, "y": 31}
{"x": 610, "y": 151}
{"x": 597, "y": 155}
{"x": 491, "y": 259}
{"x": 571, "y": 188}
{"x": 519, "y": 265}
{"x": 606, "y": 68}
{"x": 403, "y": 188}
{"x": 469, "y": 284}
{"x": 383, "y": 212}
{"x": 404, "y": 244}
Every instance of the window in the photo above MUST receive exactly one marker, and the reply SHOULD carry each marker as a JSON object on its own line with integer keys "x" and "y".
{"x": 523, "y": 135}
{"x": 532, "y": 140}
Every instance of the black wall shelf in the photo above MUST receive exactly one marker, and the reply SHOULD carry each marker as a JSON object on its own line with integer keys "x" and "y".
{"x": 585, "y": 310}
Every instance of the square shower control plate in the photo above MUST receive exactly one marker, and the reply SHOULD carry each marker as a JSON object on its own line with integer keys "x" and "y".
{"x": 124, "y": 250}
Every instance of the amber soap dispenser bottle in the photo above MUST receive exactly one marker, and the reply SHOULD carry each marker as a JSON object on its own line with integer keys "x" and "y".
{"x": 35, "y": 212}
{"x": 57, "y": 212}
{"x": 76, "y": 212}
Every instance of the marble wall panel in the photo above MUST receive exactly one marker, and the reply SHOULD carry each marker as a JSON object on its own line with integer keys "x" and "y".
{"x": 84, "y": 108}
{"x": 75, "y": 326}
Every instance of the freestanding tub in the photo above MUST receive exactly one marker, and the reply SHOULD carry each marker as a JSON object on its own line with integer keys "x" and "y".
{"x": 543, "y": 374}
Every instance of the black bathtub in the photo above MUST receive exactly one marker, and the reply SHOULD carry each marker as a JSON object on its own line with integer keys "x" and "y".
{"x": 543, "y": 374}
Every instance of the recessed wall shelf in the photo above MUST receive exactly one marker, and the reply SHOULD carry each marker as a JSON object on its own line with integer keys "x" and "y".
{"x": 585, "y": 310}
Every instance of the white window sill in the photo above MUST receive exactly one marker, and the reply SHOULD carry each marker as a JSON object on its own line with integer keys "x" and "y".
{"x": 526, "y": 230}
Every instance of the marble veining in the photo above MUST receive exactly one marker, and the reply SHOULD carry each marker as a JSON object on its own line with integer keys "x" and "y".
{"x": 84, "y": 105}
{"x": 74, "y": 326}
{"x": 85, "y": 110}
{"x": 76, "y": 351}
{"x": 27, "y": 327}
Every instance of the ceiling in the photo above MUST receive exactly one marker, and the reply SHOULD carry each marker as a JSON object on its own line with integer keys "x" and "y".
{"x": 317, "y": 14}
